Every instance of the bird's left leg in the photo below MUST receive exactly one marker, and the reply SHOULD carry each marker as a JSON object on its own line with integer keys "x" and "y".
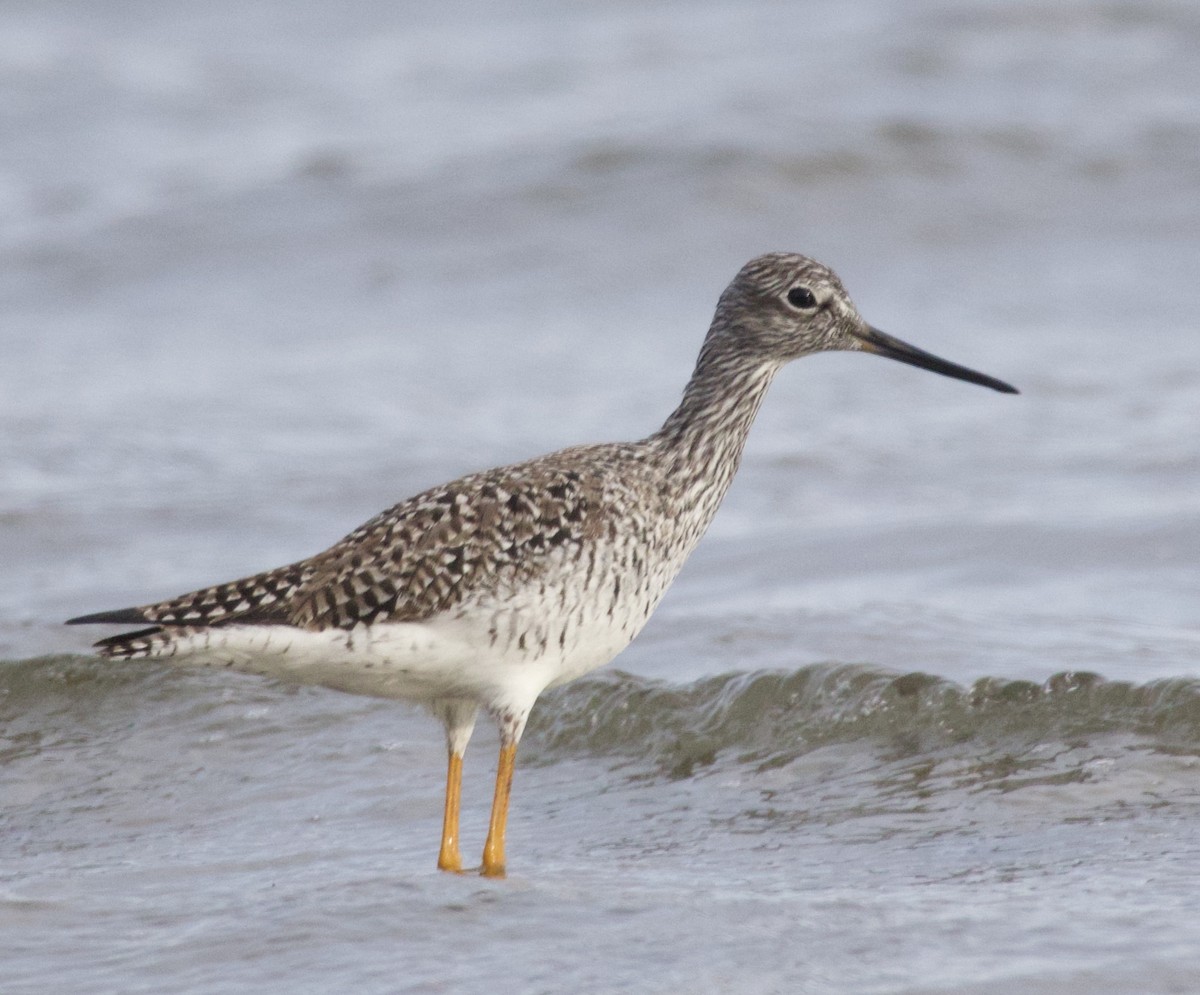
{"x": 511, "y": 727}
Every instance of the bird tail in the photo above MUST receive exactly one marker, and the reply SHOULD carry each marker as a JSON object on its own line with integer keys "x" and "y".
{"x": 262, "y": 598}
{"x": 137, "y": 645}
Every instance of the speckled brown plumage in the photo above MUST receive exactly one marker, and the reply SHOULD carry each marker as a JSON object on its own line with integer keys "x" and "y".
{"x": 435, "y": 551}
{"x": 505, "y": 527}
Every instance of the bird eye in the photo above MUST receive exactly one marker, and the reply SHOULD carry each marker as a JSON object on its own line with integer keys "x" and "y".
{"x": 802, "y": 298}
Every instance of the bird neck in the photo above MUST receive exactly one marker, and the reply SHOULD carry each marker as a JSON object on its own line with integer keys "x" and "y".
{"x": 701, "y": 442}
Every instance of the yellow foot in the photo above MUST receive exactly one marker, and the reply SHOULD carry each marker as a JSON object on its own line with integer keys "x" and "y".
{"x": 450, "y": 862}
{"x": 449, "y": 856}
{"x": 493, "y": 847}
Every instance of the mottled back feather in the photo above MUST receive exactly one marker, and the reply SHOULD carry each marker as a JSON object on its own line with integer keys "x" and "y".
{"x": 416, "y": 559}
{"x": 425, "y": 555}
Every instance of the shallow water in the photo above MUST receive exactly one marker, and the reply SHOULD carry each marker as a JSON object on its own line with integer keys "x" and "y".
{"x": 828, "y": 828}
{"x": 921, "y": 715}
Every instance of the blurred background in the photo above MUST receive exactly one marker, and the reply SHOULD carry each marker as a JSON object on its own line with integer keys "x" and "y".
{"x": 267, "y": 268}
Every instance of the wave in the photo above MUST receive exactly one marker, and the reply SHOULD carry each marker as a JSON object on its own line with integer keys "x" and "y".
{"x": 769, "y": 718}
{"x": 762, "y": 718}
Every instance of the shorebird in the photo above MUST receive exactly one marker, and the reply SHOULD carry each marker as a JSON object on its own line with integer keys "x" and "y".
{"x": 485, "y": 591}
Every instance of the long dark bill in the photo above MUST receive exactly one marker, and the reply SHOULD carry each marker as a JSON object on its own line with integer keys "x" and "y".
{"x": 874, "y": 340}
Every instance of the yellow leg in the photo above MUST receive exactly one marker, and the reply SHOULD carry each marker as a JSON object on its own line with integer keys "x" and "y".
{"x": 493, "y": 849}
{"x": 449, "y": 857}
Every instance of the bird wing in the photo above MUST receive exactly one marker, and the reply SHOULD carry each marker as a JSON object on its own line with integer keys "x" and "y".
{"x": 410, "y": 562}
{"x": 433, "y": 551}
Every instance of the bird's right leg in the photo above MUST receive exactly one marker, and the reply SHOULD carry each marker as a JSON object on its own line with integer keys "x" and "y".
{"x": 458, "y": 716}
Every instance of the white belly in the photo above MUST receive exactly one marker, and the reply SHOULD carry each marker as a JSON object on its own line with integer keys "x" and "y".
{"x": 501, "y": 650}
{"x": 497, "y": 658}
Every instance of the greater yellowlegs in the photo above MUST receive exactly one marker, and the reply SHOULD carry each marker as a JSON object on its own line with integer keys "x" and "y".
{"x": 486, "y": 591}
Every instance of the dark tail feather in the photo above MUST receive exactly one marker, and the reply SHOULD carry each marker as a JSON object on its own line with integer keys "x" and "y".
{"x": 127, "y": 645}
{"x": 122, "y": 616}
{"x": 130, "y": 645}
